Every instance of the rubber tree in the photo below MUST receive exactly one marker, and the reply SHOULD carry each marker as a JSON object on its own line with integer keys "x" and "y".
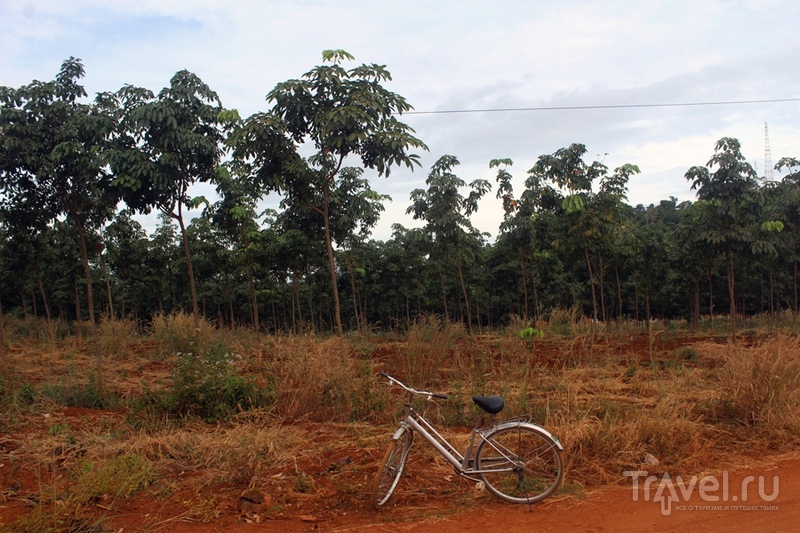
{"x": 49, "y": 160}
{"x": 235, "y": 213}
{"x": 167, "y": 143}
{"x": 518, "y": 228}
{"x": 128, "y": 258}
{"x": 446, "y": 213}
{"x": 332, "y": 113}
{"x": 566, "y": 169}
{"x": 789, "y": 206}
{"x": 727, "y": 183}
{"x": 355, "y": 209}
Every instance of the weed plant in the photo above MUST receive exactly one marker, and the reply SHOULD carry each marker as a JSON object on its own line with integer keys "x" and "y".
{"x": 178, "y": 333}
{"x": 207, "y": 385}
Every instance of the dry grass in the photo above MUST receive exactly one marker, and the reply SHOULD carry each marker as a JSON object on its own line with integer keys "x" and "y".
{"x": 179, "y": 333}
{"x": 321, "y": 380}
{"x": 689, "y": 407}
{"x": 759, "y": 386}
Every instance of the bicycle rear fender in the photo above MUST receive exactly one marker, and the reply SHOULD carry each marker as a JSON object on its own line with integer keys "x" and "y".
{"x": 513, "y": 424}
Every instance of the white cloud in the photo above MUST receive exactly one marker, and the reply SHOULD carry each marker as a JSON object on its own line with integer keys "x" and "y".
{"x": 463, "y": 55}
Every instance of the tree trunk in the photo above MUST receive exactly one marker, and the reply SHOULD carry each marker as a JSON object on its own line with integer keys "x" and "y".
{"x": 3, "y": 352}
{"x": 696, "y": 302}
{"x": 87, "y": 271}
{"x": 620, "y": 314}
{"x": 24, "y": 304}
{"x": 230, "y": 299}
{"x": 172, "y": 287}
{"x": 252, "y": 282}
{"x": 77, "y": 312}
{"x": 104, "y": 266}
{"x": 525, "y": 283}
{"x": 294, "y": 299}
{"x": 795, "y": 287}
{"x": 444, "y": 293}
{"x": 772, "y": 303}
{"x": 46, "y": 309}
{"x": 351, "y": 270}
{"x": 710, "y": 297}
{"x": 408, "y": 303}
{"x": 189, "y": 268}
{"x": 311, "y": 308}
{"x": 602, "y": 288}
{"x": 466, "y": 298}
{"x": 649, "y": 322}
{"x": 731, "y": 293}
{"x": 337, "y": 312}
{"x": 591, "y": 281}
{"x": 274, "y": 315}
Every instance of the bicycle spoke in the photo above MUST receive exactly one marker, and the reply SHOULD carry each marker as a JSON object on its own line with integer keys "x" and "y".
{"x": 520, "y": 465}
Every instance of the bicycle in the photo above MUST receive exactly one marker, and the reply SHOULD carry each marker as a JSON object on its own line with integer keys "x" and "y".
{"x": 516, "y": 460}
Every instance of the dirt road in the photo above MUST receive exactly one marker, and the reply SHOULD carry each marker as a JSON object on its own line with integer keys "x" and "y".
{"x": 612, "y": 510}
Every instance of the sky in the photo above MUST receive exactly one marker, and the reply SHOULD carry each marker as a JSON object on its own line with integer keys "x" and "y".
{"x": 464, "y": 55}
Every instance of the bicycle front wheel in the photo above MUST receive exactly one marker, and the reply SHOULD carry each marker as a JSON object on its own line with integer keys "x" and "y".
{"x": 391, "y": 468}
{"x": 519, "y": 464}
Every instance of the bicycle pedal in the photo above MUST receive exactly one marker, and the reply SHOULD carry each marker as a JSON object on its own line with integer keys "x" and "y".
{"x": 480, "y": 486}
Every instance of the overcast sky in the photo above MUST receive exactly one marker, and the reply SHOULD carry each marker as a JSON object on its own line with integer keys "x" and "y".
{"x": 464, "y": 55}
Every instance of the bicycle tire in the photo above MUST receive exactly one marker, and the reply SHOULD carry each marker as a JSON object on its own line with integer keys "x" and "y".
{"x": 520, "y": 463}
{"x": 391, "y": 468}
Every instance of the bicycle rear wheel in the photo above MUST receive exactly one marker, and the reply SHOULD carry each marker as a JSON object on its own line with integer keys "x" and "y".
{"x": 520, "y": 464}
{"x": 391, "y": 468}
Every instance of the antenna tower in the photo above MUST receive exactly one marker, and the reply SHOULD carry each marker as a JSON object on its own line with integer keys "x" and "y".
{"x": 767, "y": 156}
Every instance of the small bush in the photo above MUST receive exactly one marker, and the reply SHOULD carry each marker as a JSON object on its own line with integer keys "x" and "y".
{"x": 72, "y": 394}
{"x": 118, "y": 477}
{"x": 208, "y": 386}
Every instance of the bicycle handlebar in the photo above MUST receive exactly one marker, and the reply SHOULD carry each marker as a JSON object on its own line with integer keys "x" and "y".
{"x": 429, "y": 394}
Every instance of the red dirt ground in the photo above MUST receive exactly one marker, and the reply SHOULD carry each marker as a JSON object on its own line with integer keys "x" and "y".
{"x": 611, "y": 509}
{"x": 427, "y": 499}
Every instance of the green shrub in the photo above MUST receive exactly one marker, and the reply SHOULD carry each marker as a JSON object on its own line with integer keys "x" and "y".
{"x": 207, "y": 385}
{"x": 88, "y": 395}
{"x": 118, "y": 477}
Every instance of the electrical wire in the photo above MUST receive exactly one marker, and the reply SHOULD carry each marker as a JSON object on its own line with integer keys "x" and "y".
{"x": 606, "y": 106}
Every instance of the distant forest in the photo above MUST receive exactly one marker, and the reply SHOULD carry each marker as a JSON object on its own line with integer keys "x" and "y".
{"x": 568, "y": 239}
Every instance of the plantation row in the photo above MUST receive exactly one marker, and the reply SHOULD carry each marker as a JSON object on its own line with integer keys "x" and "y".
{"x": 568, "y": 239}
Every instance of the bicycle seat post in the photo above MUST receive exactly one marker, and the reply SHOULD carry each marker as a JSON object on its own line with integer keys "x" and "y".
{"x": 468, "y": 454}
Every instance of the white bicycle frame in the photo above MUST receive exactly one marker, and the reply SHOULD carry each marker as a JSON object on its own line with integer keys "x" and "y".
{"x": 463, "y": 464}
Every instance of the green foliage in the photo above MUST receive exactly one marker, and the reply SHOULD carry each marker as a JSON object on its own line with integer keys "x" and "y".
{"x": 75, "y": 394}
{"x": 207, "y": 385}
{"x": 117, "y": 477}
{"x": 206, "y": 380}
{"x": 773, "y": 225}
{"x": 530, "y": 333}
{"x": 572, "y": 203}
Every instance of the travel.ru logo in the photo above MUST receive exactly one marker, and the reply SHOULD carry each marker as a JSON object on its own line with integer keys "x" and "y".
{"x": 715, "y": 493}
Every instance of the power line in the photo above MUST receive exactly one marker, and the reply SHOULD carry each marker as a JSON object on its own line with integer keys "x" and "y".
{"x": 606, "y": 106}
